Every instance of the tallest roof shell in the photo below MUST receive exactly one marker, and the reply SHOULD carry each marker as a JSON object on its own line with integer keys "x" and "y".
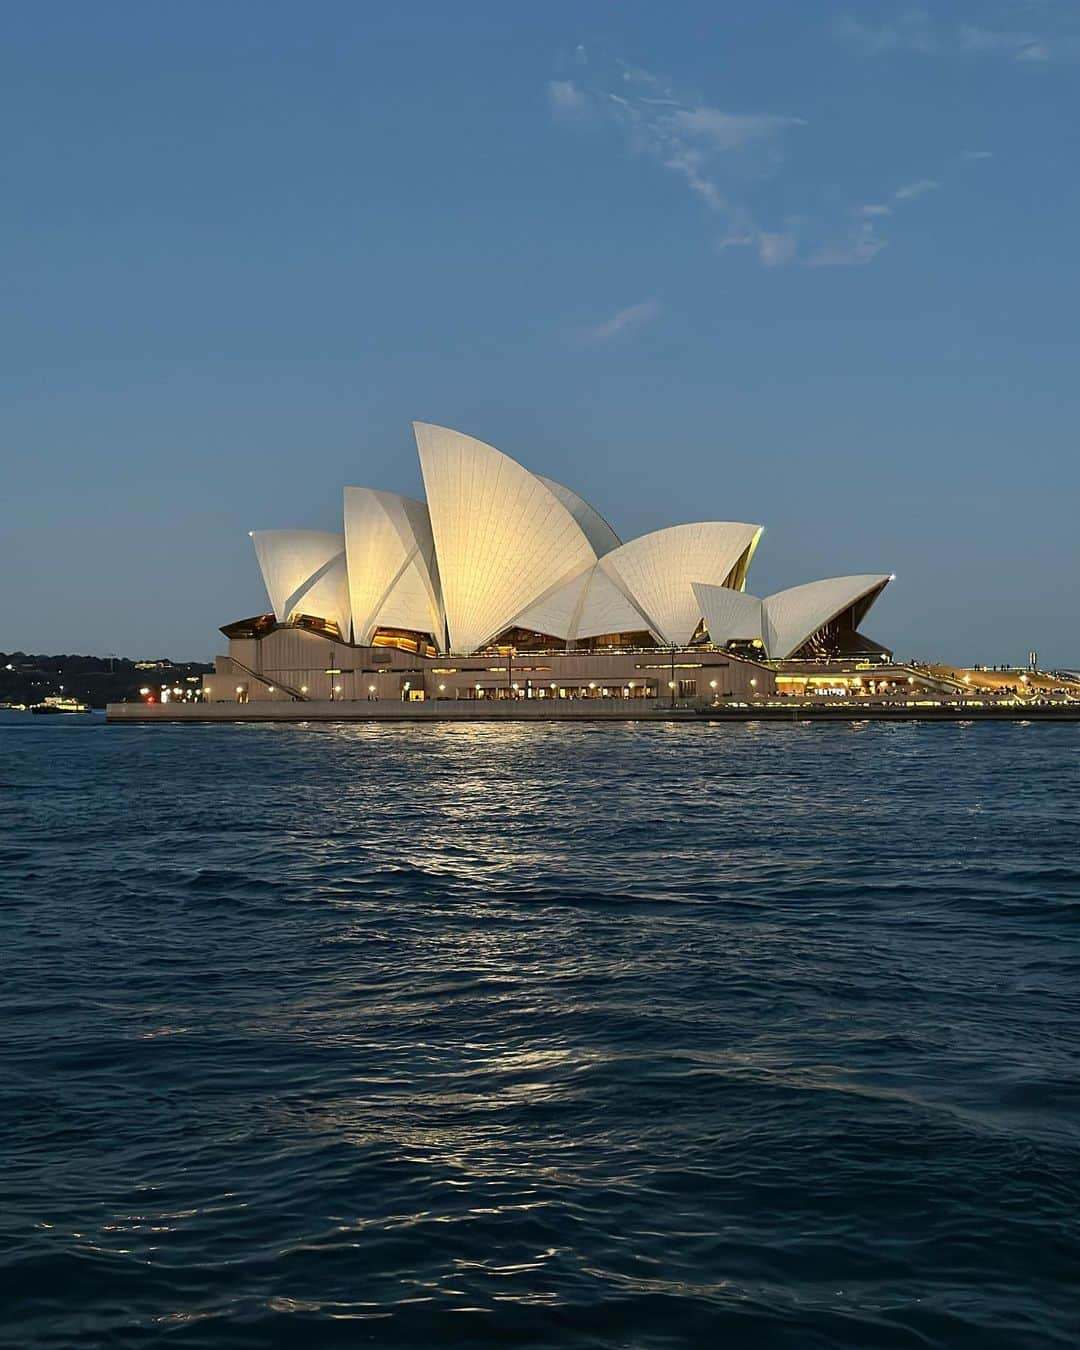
{"x": 502, "y": 537}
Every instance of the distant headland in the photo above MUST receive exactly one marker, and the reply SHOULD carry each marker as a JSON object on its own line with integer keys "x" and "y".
{"x": 27, "y": 679}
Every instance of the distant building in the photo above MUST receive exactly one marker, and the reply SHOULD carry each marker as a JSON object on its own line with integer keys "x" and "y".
{"x": 507, "y": 584}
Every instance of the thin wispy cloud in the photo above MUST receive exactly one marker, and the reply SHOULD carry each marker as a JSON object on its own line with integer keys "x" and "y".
{"x": 978, "y": 154}
{"x": 860, "y": 246}
{"x": 910, "y": 31}
{"x": 565, "y": 97}
{"x": 720, "y": 155}
{"x": 1036, "y": 52}
{"x": 623, "y": 322}
{"x": 1019, "y": 46}
{"x": 863, "y": 240}
{"x": 911, "y": 192}
{"x": 711, "y": 150}
{"x": 934, "y": 32}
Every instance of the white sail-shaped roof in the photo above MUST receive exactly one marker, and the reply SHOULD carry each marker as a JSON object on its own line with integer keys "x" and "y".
{"x": 556, "y": 613}
{"x": 795, "y": 615}
{"x": 585, "y": 607}
{"x": 502, "y": 537}
{"x": 328, "y": 596}
{"x": 393, "y": 581}
{"x": 597, "y": 531}
{"x": 606, "y": 609}
{"x": 657, "y": 571}
{"x": 293, "y": 563}
{"x": 730, "y": 615}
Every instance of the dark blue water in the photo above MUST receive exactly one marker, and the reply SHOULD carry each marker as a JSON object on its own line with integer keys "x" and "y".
{"x": 612, "y": 1036}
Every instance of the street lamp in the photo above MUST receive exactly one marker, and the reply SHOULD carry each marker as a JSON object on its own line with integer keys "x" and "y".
{"x": 332, "y": 670}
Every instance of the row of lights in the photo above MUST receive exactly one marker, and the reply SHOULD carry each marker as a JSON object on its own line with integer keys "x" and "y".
{"x": 167, "y": 693}
{"x": 627, "y": 689}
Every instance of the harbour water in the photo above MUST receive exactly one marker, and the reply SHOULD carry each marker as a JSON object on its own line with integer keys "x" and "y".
{"x": 614, "y": 1036}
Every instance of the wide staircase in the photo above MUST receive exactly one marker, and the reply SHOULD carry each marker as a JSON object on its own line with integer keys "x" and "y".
{"x": 239, "y": 667}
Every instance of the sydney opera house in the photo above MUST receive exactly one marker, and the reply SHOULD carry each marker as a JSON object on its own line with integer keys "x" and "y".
{"x": 506, "y": 584}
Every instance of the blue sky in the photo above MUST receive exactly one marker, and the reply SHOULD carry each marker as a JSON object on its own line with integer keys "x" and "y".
{"x": 806, "y": 265}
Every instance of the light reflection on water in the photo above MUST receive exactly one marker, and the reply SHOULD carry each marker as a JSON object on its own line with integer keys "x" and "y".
{"x": 541, "y": 1035}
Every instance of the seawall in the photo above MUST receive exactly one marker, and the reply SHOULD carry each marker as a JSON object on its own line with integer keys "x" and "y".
{"x": 578, "y": 710}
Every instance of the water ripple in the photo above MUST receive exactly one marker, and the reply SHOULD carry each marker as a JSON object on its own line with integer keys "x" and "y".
{"x": 620, "y": 1037}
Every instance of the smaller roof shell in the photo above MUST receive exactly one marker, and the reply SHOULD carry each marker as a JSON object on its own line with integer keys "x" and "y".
{"x": 294, "y": 566}
{"x": 793, "y": 616}
{"x": 656, "y": 571}
{"x": 393, "y": 580}
{"x": 730, "y": 615}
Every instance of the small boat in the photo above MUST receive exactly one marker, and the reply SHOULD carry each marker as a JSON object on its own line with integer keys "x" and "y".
{"x": 56, "y": 703}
